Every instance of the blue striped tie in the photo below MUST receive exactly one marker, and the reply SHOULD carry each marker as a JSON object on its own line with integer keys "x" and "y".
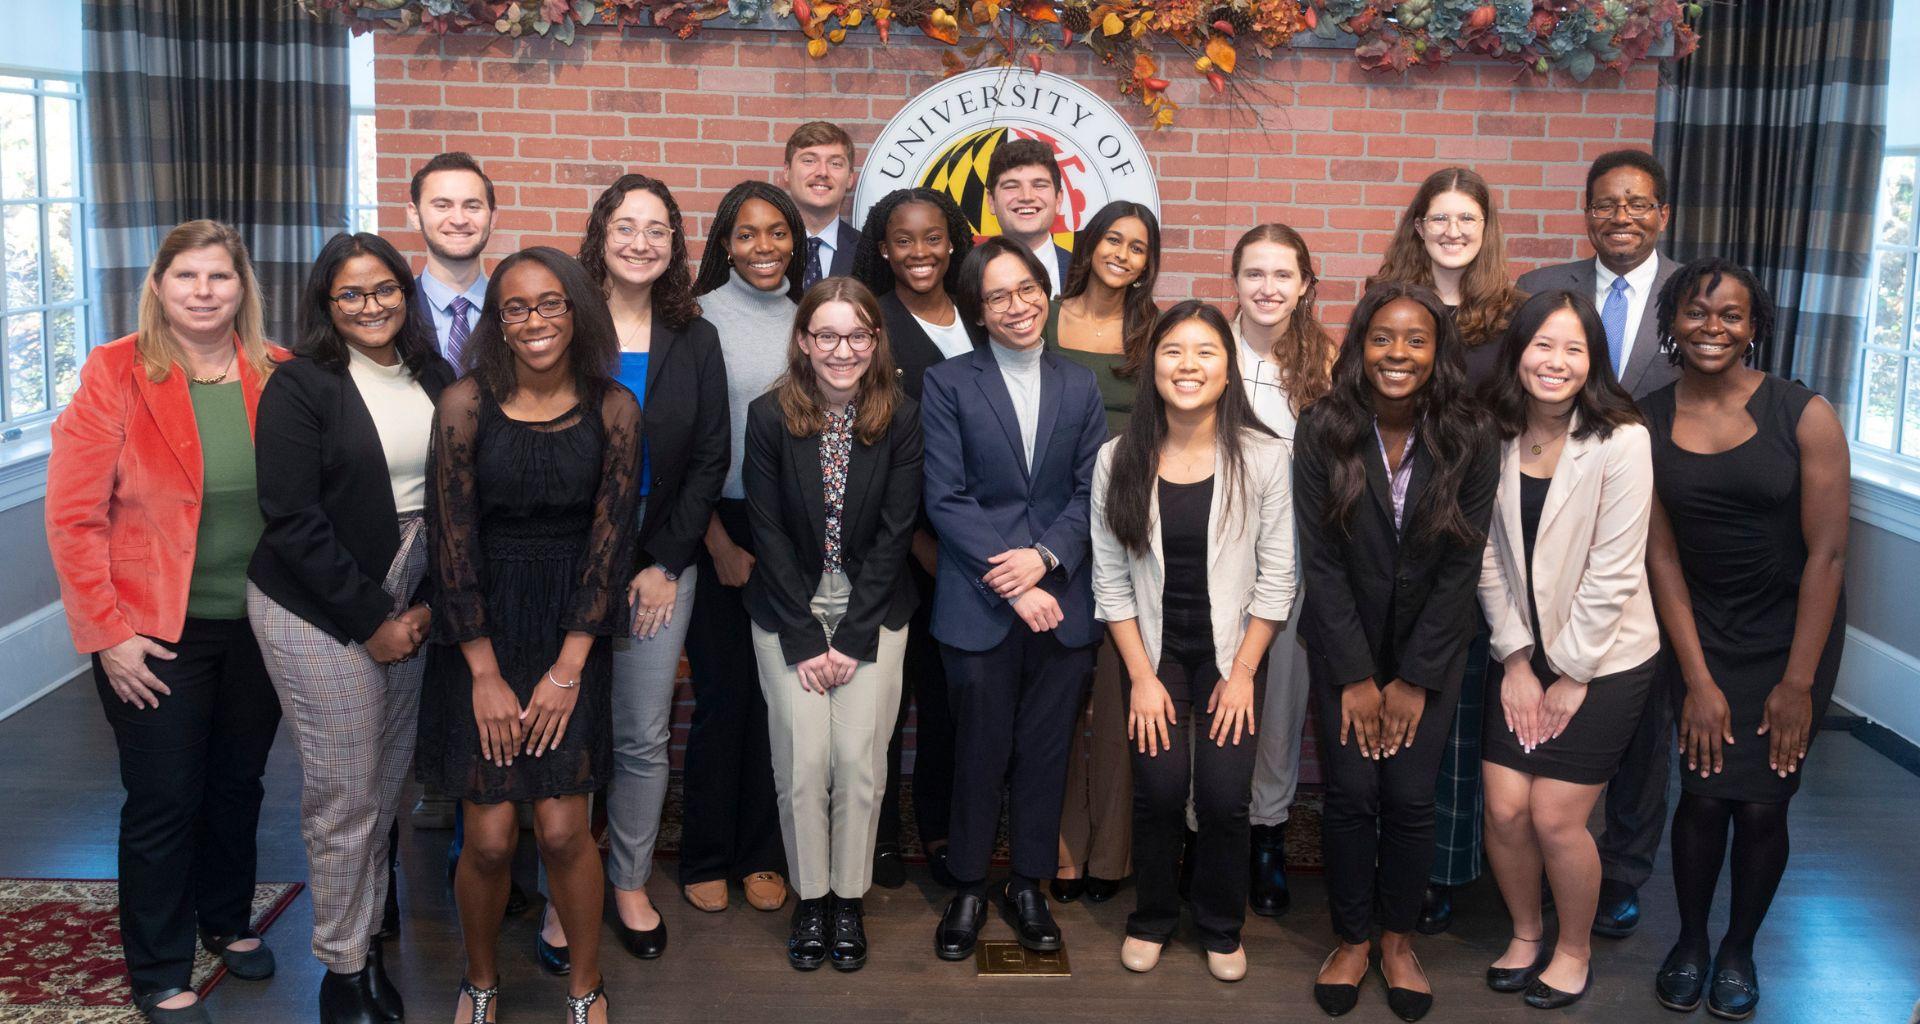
{"x": 1613, "y": 316}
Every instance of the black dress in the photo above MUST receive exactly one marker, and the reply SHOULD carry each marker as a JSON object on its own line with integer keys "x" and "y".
{"x": 532, "y": 529}
{"x": 1736, "y": 522}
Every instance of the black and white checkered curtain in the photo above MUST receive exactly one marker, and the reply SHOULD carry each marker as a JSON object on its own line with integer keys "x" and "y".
{"x": 231, "y": 109}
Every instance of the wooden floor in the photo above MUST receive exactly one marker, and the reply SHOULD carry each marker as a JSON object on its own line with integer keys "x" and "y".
{"x": 1841, "y": 943}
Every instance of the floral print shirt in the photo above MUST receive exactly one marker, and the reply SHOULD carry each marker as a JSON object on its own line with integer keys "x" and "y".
{"x": 836, "y": 453}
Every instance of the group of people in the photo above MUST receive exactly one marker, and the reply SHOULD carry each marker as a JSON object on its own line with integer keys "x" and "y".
{"x": 1503, "y": 537}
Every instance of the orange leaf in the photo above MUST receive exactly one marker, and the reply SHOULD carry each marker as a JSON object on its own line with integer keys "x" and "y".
{"x": 1038, "y": 11}
{"x": 1221, "y": 52}
{"x": 816, "y": 48}
{"x": 837, "y": 36}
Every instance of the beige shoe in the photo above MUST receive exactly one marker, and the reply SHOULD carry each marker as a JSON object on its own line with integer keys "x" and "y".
{"x": 1228, "y": 966}
{"x": 1140, "y": 955}
{"x": 708, "y": 896}
{"x": 765, "y": 890}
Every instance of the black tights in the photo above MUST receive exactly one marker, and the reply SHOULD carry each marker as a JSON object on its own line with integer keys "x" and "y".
{"x": 1759, "y": 859}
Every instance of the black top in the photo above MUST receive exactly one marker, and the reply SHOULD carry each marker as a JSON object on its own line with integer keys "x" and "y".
{"x": 913, "y": 351}
{"x": 1186, "y": 610}
{"x": 331, "y": 529}
{"x": 1533, "y": 501}
{"x": 687, "y": 427}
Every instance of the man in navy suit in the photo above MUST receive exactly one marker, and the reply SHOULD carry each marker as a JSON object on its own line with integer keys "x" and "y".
{"x": 817, "y": 173}
{"x": 1011, "y": 434}
{"x": 1626, "y": 211}
{"x": 1024, "y": 189}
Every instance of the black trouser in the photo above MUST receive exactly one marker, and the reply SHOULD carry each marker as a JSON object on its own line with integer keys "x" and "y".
{"x": 1377, "y": 829}
{"x": 1637, "y": 795}
{"x": 191, "y": 768}
{"x": 1013, "y": 711}
{"x": 925, "y": 690}
{"x": 730, "y": 823}
{"x": 1220, "y": 781}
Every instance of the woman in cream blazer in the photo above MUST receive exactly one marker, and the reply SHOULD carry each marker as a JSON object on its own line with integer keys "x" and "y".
{"x": 1564, "y": 587}
{"x": 1192, "y": 572}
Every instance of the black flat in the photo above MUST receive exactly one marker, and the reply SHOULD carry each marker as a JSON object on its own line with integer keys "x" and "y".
{"x": 642, "y": 945}
{"x": 148, "y": 1004}
{"x": 1334, "y": 1000}
{"x": 1100, "y": 890}
{"x": 255, "y": 964}
{"x": 1542, "y": 996}
{"x": 1067, "y": 890}
{"x": 1681, "y": 980}
{"x": 1405, "y": 1003}
{"x": 1516, "y": 979}
{"x": 1734, "y": 992}
{"x": 555, "y": 960}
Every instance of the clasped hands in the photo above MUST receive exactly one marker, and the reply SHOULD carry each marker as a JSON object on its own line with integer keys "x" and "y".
{"x": 1381, "y": 719}
{"x": 1535, "y": 715}
{"x": 506, "y": 727}
{"x": 1013, "y": 577}
{"x": 400, "y": 637}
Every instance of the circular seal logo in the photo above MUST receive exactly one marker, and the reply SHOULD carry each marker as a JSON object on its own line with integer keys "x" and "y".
{"x": 943, "y": 139}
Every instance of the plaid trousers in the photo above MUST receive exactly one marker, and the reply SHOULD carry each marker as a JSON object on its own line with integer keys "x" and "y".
{"x": 356, "y": 722}
{"x": 1458, "y": 799}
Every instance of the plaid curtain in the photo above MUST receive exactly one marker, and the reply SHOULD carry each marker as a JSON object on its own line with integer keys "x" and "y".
{"x": 235, "y": 110}
{"x": 1772, "y": 133}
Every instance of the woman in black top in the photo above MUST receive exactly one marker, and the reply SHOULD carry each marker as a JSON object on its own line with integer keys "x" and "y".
{"x": 1747, "y": 553}
{"x": 1394, "y": 480}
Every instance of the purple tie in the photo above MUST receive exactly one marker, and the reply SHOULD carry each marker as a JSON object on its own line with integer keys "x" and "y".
{"x": 813, "y": 273}
{"x": 458, "y": 331}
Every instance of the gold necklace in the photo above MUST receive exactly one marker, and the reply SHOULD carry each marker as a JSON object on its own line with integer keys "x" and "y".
{"x": 216, "y": 378}
{"x": 1537, "y": 446}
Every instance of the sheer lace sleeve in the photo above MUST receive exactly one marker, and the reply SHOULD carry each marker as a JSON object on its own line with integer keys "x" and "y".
{"x": 453, "y": 516}
{"x": 600, "y": 604}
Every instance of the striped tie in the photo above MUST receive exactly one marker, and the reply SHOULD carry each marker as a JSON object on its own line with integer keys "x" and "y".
{"x": 458, "y": 331}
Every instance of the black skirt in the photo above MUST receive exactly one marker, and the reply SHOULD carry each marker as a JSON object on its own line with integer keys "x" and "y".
{"x": 1588, "y": 752}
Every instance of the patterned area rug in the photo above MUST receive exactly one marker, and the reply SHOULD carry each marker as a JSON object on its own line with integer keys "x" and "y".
{"x": 60, "y": 959}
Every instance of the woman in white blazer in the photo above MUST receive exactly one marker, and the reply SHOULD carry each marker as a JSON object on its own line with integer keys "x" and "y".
{"x": 1193, "y": 573}
{"x": 1564, "y": 588}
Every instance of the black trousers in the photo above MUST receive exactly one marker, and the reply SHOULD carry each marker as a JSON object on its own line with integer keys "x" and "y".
{"x": 925, "y": 689}
{"x": 1377, "y": 830}
{"x": 1220, "y": 781}
{"x": 1013, "y": 711}
{"x": 191, "y": 768}
{"x": 730, "y": 823}
{"x": 1636, "y": 798}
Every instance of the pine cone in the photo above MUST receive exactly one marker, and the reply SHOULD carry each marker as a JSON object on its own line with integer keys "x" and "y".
{"x": 1240, "y": 17}
{"x": 1076, "y": 20}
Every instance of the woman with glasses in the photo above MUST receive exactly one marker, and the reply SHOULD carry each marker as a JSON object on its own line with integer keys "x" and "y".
{"x": 531, "y": 499}
{"x": 833, "y": 492}
{"x": 337, "y": 588}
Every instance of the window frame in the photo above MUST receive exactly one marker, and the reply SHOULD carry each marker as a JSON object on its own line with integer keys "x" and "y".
{"x": 356, "y": 208}
{"x": 16, "y": 428}
{"x": 1907, "y": 352}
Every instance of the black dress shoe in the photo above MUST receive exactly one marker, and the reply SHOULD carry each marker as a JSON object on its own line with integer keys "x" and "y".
{"x": 255, "y": 964}
{"x": 386, "y": 997}
{"x": 1188, "y": 861}
{"x": 555, "y": 960}
{"x": 1067, "y": 890}
{"x": 959, "y": 927}
{"x": 1436, "y": 910}
{"x": 889, "y": 868}
{"x": 1734, "y": 993}
{"x": 1542, "y": 996}
{"x": 347, "y": 999}
{"x": 390, "y": 915}
{"x": 516, "y": 900}
{"x": 849, "y": 935}
{"x": 1405, "y": 1003}
{"x": 1334, "y": 1000}
{"x": 1517, "y": 979}
{"x": 1267, "y": 893}
{"x": 937, "y": 867}
{"x": 1100, "y": 890}
{"x": 807, "y": 943}
{"x": 148, "y": 1003}
{"x": 1618, "y": 913}
{"x": 1682, "y": 979}
{"x": 1032, "y": 921}
{"x": 643, "y": 945}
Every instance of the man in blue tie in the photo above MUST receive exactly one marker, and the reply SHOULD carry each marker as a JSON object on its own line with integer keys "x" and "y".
{"x": 1626, "y": 210}
{"x": 817, "y": 173}
{"x": 452, "y": 208}
{"x": 1024, "y": 193}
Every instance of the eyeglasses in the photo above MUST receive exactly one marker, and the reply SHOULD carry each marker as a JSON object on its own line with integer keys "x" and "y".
{"x": 1439, "y": 221}
{"x": 827, "y": 341}
{"x": 1604, "y": 209}
{"x": 1028, "y": 293}
{"x": 655, "y": 235}
{"x": 353, "y": 300}
{"x": 548, "y": 309}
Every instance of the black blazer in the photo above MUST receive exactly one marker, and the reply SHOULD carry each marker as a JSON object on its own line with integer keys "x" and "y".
{"x": 1376, "y": 607}
{"x": 913, "y": 351}
{"x": 786, "y": 508}
{"x": 331, "y": 529}
{"x": 687, "y": 428}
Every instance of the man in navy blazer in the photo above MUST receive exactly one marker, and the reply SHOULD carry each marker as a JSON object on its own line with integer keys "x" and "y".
{"x": 1024, "y": 189}
{"x": 1012, "y": 432}
{"x": 817, "y": 173}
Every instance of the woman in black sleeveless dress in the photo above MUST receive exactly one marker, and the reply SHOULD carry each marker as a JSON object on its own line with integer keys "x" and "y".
{"x": 1746, "y": 555}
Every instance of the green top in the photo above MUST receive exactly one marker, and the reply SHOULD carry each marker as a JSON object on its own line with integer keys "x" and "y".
{"x": 230, "y": 520}
{"x": 1115, "y": 394}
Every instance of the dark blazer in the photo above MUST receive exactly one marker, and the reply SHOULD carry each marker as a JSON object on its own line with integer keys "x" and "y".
{"x": 844, "y": 245}
{"x": 983, "y": 498}
{"x": 913, "y": 351}
{"x": 331, "y": 529}
{"x": 1376, "y": 607}
{"x": 1648, "y": 369}
{"x": 786, "y": 510}
{"x": 686, "y": 427}
{"x": 1062, "y": 260}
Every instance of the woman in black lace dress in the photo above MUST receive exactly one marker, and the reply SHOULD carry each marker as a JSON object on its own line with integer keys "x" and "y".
{"x": 531, "y": 502}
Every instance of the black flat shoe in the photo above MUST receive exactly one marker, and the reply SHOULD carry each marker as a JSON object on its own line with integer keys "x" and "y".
{"x": 1067, "y": 890}
{"x": 642, "y": 945}
{"x": 937, "y": 867}
{"x": 516, "y": 900}
{"x": 849, "y": 935}
{"x": 1542, "y": 996}
{"x": 1100, "y": 890}
{"x": 1734, "y": 993}
{"x": 1681, "y": 980}
{"x": 1334, "y": 1000}
{"x": 807, "y": 943}
{"x": 555, "y": 960}
{"x": 1436, "y": 910}
{"x": 1405, "y": 1003}
{"x": 1517, "y": 979}
{"x": 255, "y": 964}
{"x": 889, "y": 868}
{"x": 386, "y": 997}
{"x": 347, "y": 999}
{"x": 1267, "y": 893}
{"x": 578, "y": 1007}
{"x": 148, "y": 1005}
{"x": 1618, "y": 913}
{"x": 959, "y": 928}
{"x": 1032, "y": 921}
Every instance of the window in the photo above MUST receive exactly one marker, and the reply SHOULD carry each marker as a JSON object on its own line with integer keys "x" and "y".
{"x": 43, "y": 198}
{"x": 1888, "y": 412}
{"x": 363, "y": 173}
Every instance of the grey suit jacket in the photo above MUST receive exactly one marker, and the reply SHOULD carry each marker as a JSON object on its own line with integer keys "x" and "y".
{"x": 1647, "y": 367}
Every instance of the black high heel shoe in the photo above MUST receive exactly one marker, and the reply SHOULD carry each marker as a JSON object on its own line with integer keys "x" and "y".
{"x": 1407, "y": 1004}
{"x": 1542, "y": 996}
{"x": 579, "y": 1006}
{"x": 480, "y": 1001}
{"x": 1516, "y": 979}
{"x": 1334, "y": 1000}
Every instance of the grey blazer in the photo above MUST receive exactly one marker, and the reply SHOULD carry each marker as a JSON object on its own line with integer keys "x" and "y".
{"x": 1647, "y": 367}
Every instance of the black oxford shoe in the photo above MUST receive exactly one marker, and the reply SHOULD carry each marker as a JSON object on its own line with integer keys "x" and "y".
{"x": 1032, "y": 922}
{"x": 1267, "y": 893}
{"x": 807, "y": 944}
{"x": 849, "y": 935}
{"x": 959, "y": 928}
{"x": 1618, "y": 913}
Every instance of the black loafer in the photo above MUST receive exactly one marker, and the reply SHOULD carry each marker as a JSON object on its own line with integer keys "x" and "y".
{"x": 148, "y": 1004}
{"x": 1517, "y": 979}
{"x": 889, "y": 868}
{"x": 1267, "y": 893}
{"x": 959, "y": 928}
{"x": 386, "y": 996}
{"x": 555, "y": 960}
{"x": 1334, "y": 1000}
{"x": 347, "y": 999}
{"x": 849, "y": 935}
{"x": 1618, "y": 913}
{"x": 1734, "y": 993}
{"x": 937, "y": 867}
{"x": 255, "y": 964}
{"x": 807, "y": 943}
{"x": 1032, "y": 921}
{"x": 1682, "y": 980}
{"x": 1100, "y": 890}
{"x": 1542, "y": 996}
{"x": 1067, "y": 890}
{"x": 642, "y": 945}
{"x": 1436, "y": 910}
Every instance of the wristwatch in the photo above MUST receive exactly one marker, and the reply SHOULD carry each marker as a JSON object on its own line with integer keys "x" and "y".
{"x": 1046, "y": 557}
{"x": 672, "y": 577}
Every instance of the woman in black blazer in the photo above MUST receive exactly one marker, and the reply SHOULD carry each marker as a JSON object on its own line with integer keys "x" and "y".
{"x": 1394, "y": 479}
{"x": 336, "y": 587}
{"x": 832, "y": 477}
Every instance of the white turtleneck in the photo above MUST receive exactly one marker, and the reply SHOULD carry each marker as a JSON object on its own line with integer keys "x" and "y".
{"x": 1020, "y": 368}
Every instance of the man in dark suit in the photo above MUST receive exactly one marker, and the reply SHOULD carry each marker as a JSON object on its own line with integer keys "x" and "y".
{"x": 817, "y": 173}
{"x": 1626, "y": 211}
{"x": 1024, "y": 189}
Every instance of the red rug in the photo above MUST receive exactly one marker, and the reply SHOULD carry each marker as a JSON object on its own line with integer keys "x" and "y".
{"x": 60, "y": 957}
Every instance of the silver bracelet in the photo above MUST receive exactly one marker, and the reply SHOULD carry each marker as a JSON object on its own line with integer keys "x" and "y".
{"x": 563, "y": 686}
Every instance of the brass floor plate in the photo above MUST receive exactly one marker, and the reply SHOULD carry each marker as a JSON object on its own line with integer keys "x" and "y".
{"x": 999, "y": 958}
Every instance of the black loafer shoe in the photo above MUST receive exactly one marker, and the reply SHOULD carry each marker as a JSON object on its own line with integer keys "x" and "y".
{"x": 148, "y": 1005}
{"x": 1436, "y": 910}
{"x": 555, "y": 960}
{"x": 1032, "y": 921}
{"x": 807, "y": 943}
{"x": 1734, "y": 993}
{"x": 937, "y": 867}
{"x": 1682, "y": 980}
{"x": 1100, "y": 890}
{"x": 1067, "y": 890}
{"x": 849, "y": 935}
{"x": 1618, "y": 913}
{"x": 385, "y": 995}
{"x": 889, "y": 868}
{"x": 959, "y": 928}
{"x": 1542, "y": 996}
{"x": 642, "y": 945}
{"x": 255, "y": 964}
{"x": 1517, "y": 979}
{"x": 1267, "y": 893}
{"x": 347, "y": 999}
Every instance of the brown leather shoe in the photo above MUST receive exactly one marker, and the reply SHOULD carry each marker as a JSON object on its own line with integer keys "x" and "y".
{"x": 765, "y": 890}
{"x": 708, "y": 896}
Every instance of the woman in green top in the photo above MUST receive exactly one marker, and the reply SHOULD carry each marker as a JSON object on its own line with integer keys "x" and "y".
{"x": 1102, "y": 321}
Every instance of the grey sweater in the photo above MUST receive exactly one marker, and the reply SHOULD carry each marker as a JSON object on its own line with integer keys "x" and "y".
{"x": 755, "y": 328}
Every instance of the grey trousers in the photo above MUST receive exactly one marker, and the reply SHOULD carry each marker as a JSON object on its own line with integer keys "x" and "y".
{"x": 1276, "y": 774}
{"x": 643, "y": 676}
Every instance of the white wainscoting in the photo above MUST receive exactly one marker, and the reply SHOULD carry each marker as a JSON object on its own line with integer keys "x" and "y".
{"x": 1880, "y": 683}
{"x": 36, "y": 656}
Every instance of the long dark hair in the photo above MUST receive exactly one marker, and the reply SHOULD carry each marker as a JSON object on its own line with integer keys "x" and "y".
{"x": 969, "y": 300}
{"x": 716, "y": 261}
{"x": 416, "y": 344}
{"x": 595, "y": 347}
{"x": 1139, "y": 312}
{"x": 1602, "y": 403}
{"x": 1487, "y": 294}
{"x": 799, "y": 388}
{"x": 1445, "y": 413}
{"x": 1704, "y": 275}
{"x": 1136, "y": 456}
{"x": 1302, "y": 350}
{"x": 673, "y": 301}
{"x": 873, "y": 270}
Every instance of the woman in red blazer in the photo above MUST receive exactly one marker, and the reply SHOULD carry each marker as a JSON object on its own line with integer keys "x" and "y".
{"x": 151, "y": 518}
